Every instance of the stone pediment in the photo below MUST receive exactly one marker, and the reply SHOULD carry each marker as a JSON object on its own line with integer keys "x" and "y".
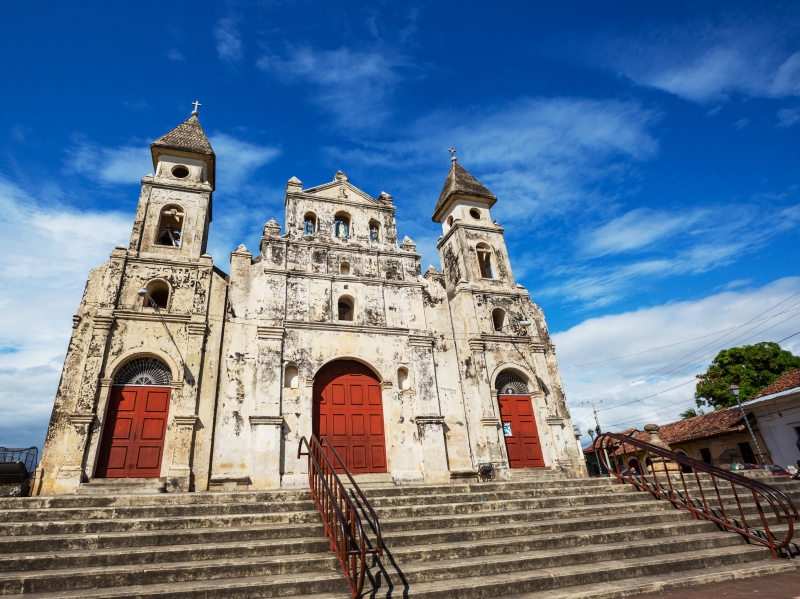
{"x": 340, "y": 189}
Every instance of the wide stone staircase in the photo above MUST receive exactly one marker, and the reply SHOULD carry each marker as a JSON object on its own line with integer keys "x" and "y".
{"x": 531, "y": 537}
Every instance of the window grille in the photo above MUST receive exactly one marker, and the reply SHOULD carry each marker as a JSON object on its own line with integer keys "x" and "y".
{"x": 508, "y": 383}
{"x": 144, "y": 371}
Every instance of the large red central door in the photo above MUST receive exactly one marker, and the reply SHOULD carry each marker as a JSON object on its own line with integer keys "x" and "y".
{"x": 519, "y": 430}
{"x": 348, "y": 410}
{"x": 133, "y": 438}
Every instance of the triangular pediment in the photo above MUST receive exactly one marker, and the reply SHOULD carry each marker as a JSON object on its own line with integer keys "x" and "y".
{"x": 340, "y": 189}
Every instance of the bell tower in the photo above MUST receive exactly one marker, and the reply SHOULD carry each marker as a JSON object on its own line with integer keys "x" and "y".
{"x": 174, "y": 211}
{"x": 472, "y": 247}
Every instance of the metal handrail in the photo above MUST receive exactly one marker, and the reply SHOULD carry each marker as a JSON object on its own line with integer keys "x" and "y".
{"x": 340, "y": 517}
{"x": 376, "y": 525}
{"x": 780, "y": 503}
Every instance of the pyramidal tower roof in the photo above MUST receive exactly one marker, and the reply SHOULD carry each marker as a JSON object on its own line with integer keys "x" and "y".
{"x": 188, "y": 136}
{"x": 460, "y": 182}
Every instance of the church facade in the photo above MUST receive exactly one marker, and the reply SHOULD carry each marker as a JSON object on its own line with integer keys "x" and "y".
{"x": 178, "y": 372}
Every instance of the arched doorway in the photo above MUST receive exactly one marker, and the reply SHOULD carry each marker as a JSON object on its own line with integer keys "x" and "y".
{"x": 136, "y": 421}
{"x": 519, "y": 423}
{"x": 349, "y": 411}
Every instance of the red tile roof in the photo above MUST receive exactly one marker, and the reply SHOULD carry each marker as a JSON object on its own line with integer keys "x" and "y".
{"x": 719, "y": 422}
{"x": 786, "y": 381}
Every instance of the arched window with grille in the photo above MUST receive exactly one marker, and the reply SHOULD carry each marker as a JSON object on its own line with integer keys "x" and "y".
{"x": 144, "y": 371}
{"x": 510, "y": 383}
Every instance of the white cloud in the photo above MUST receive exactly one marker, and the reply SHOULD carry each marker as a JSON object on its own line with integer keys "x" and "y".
{"x": 174, "y": 54}
{"x": 124, "y": 164}
{"x": 621, "y": 381}
{"x": 237, "y": 160}
{"x": 638, "y": 229}
{"x": 788, "y": 116}
{"x": 352, "y": 85}
{"x": 706, "y": 63}
{"x": 540, "y": 155}
{"x": 741, "y": 124}
{"x": 47, "y": 251}
{"x": 229, "y": 40}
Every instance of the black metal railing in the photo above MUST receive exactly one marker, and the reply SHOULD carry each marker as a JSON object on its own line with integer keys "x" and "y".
{"x": 340, "y": 517}
{"x": 29, "y": 456}
{"x": 657, "y": 477}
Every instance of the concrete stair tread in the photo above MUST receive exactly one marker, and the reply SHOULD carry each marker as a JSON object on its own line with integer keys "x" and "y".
{"x": 459, "y": 587}
{"x": 664, "y": 582}
{"x": 299, "y": 542}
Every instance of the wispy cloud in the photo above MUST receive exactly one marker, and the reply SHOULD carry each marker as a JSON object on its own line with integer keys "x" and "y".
{"x": 706, "y": 62}
{"x": 618, "y": 382}
{"x": 229, "y": 40}
{"x": 238, "y": 160}
{"x": 542, "y": 156}
{"x": 788, "y": 117}
{"x": 123, "y": 164}
{"x": 47, "y": 251}
{"x": 354, "y": 86}
{"x": 174, "y": 54}
{"x": 638, "y": 229}
{"x": 678, "y": 242}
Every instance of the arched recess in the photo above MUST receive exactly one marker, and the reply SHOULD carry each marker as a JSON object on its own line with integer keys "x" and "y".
{"x": 135, "y": 423}
{"x": 518, "y": 417}
{"x": 348, "y": 410}
{"x": 159, "y": 292}
{"x": 520, "y": 371}
{"x": 170, "y": 226}
{"x": 113, "y": 367}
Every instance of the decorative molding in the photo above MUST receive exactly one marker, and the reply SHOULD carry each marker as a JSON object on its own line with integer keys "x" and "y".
{"x": 106, "y": 382}
{"x": 102, "y": 323}
{"x": 76, "y": 320}
{"x": 79, "y": 418}
{"x": 270, "y": 333}
{"x": 152, "y": 316}
{"x": 416, "y": 340}
{"x": 476, "y": 345}
{"x": 177, "y": 385}
{"x": 386, "y": 385}
{"x": 188, "y": 420}
{"x": 310, "y": 194}
{"x": 197, "y": 328}
{"x": 266, "y": 420}
{"x": 342, "y": 327}
{"x": 429, "y": 419}
{"x": 555, "y": 421}
{"x": 490, "y": 421}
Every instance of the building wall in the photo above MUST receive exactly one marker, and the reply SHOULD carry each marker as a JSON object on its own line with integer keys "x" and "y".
{"x": 778, "y": 421}
{"x": 236, "y": 418}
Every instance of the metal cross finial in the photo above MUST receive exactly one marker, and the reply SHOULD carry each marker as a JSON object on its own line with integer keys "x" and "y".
{"x": 452, "y": 155}
{"x": 195, "y": 104}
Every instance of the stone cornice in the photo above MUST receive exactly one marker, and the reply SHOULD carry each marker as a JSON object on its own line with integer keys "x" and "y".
{"x": 429, "y": 419}
{"x": 341, "y": 327}
{"x": 265, "y": 332}
{"x": 186, "y": 420}
{"x": 197, "y": 328}
{"x": 490, "y": 421}
{"x": 420, "y": 340}
{"x": 81, "y": 418}
{"x": 152, "y": 316}
{"x": 367, "y": 203}
{"x": 299, "y": 274}
{"x": 460, "y": 224}
{"x": 102, "y": 323}
{"x": 266, "y": 420}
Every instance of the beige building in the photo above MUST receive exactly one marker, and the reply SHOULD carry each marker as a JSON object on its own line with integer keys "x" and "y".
{"x": 179, "y": 373}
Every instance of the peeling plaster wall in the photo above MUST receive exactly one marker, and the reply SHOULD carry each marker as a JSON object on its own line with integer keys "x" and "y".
{"x": 235, "y": 421}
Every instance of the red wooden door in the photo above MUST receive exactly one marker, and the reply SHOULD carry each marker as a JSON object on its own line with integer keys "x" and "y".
{"x": 349, "y": 411}
{"x": 133, "y": 438}
{"x": 519, "y": 430}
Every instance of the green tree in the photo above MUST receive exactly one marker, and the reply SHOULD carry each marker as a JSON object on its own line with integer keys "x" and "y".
{"x": 691, "y": 413}
{"x": 751, "y": 368}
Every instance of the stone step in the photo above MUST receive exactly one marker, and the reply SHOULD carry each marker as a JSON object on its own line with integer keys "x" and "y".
{"x": 461, "y": 543}
{"x": 458, "y": 504}
{"x": 389, "y": 520}
{"x": 420, "y": 564}
{"x": 123, "y": 486}
{"x": 482, "y": 583}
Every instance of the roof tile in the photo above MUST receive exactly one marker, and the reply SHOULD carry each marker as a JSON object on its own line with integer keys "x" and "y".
{"x": 786, "y": 381}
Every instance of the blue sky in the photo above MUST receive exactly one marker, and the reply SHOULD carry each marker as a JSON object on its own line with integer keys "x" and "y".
{"x": 646, "y": 159}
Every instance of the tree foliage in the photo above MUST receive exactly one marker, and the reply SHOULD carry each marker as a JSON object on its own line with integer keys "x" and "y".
{"x": 751, "y": 368}
{"x": 691, "y": 413}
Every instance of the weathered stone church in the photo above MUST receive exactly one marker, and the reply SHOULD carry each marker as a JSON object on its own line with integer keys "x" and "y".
{"x": 179, "y": 373}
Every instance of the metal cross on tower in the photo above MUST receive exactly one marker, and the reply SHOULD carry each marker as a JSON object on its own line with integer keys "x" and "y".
{"x": 452, "y": 154}
{"x": 195, "y": 104}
